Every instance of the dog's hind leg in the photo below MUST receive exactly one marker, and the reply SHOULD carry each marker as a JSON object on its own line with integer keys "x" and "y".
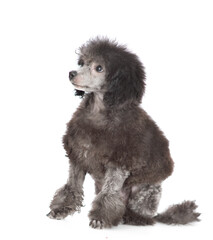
{"x": 68, "y": 198}
{"x": 142, "y": 205}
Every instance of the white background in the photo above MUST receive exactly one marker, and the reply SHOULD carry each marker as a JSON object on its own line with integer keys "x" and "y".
{"x": 38, "y": 40}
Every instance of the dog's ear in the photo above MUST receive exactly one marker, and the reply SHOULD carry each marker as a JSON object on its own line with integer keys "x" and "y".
{"x": 126, "y": 84}
{"x": 79, "y": 93}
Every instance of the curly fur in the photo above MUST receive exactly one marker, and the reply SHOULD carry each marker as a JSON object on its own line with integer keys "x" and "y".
{"x": 114, "y": 140}
{"x": 179, "y": 214}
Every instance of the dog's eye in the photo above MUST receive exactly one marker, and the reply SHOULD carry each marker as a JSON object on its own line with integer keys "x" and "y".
{"x": 81, "y": 63}
{"x": 99, "y": 69}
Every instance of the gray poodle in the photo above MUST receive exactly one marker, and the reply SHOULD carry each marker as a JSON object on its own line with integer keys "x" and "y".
{"x": 114, "y": 140}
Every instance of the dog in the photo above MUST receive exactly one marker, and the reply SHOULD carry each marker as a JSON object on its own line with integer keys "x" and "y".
{"x": 114, "y": 140}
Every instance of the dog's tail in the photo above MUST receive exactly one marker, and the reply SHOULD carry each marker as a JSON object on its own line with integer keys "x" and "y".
{"x": 179, "y": 214}
{"x": 176, "y": 214}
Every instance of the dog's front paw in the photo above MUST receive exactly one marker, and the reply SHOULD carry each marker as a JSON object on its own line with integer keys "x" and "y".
{"x": 96, "y": 224}
{"x": 60, "y": 213}
{"x": 66, "y": 201}
{"x": 97, "y": 219}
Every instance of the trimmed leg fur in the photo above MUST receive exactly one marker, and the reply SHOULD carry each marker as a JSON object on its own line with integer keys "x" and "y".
{"x": 65, "y": 202}
{"x": 109, "y": 205}
{"x": 68, "y": 199}
{"x": 142, "y": 205}
{"x": 107, "y": 211}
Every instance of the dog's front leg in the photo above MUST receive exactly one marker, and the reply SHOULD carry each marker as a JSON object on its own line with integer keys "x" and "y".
{"x": 68, "y": 199}
{"x": 109, "y": 205}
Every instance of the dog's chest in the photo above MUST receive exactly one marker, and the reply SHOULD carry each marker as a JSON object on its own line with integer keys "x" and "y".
{"x": 91, "y": 149}
{"x": 85, "y": 149}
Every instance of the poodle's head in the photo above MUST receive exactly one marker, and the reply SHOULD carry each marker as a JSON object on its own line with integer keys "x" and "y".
{"x": 111, "y": 69}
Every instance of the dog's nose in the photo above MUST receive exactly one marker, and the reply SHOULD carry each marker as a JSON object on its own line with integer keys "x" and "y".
{"x": 72, "y": 74}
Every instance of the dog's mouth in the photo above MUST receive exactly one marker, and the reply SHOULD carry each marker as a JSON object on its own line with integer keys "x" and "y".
{"x": 79, "y": 86}
{"x": 85, "y": 88}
